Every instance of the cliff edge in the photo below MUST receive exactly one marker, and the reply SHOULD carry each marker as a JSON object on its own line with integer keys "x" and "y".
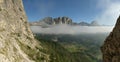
{"x": 111, "y": 47}
{"x": 17, "y": 43}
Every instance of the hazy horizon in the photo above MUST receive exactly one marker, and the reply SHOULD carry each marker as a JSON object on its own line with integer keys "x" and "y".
{"x": 72, "y": 21}
{"x": 104, "y": 11}
{"x": 67, "y": 29}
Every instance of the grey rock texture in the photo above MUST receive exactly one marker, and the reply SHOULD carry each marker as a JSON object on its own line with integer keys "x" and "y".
{"x": 48, "y": 20}
{"x": 17, "y": 43}
{"x": 62, "y": 20}
{"x": 52, "y": 21}
{"x": 111, "y": 47}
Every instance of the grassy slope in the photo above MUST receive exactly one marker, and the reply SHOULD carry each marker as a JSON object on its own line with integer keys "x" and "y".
{"x": 80, "y": 53}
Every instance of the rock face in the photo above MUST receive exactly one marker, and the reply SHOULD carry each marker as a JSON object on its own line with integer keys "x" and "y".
{"x": 111, "y": 47}
{"x": 47, "y": 21}
{"x": 62, "y": 20}
{"x": 17, "y": 43}
{"x": 53, "y": 21}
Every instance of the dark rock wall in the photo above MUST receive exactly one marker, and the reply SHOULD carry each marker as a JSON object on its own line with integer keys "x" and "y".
{"x": 111, "y": 47}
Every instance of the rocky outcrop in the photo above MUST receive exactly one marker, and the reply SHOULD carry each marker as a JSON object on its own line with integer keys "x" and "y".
{"x": 111, "y": 47}
{"x": 62, "y": 20}
{"x": 17, "y": 43}
{"x": 47, "y": 21}
{"x": 52, "y": 21}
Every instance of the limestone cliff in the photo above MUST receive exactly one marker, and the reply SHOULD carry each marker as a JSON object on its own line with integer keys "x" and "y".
{"x": 17, "y": 43}
{"x": 111, "y": 47}
{"x": 52, "y": 21}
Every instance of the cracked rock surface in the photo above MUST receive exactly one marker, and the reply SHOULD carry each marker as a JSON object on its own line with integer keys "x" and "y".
{"x": 17, "y": 43}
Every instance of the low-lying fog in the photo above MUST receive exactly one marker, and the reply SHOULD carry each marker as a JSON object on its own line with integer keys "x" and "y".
{"x": 67, "y": 29}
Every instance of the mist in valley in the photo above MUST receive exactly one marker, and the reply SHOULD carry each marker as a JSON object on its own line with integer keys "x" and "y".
{"x": 68, "y": 29}
{"x": 81, "y": 41}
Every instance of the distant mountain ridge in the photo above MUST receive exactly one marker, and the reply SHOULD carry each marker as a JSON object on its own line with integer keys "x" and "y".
{"x": 61, "y": 20}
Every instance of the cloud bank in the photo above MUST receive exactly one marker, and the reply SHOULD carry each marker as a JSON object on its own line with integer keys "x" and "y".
{"x": 67, "y": 29}
{"x": 111, "y": 11}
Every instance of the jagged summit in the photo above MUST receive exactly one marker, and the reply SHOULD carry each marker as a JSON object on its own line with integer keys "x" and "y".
{"x": 17, "y": 43}
{"x": 61, "y": 20}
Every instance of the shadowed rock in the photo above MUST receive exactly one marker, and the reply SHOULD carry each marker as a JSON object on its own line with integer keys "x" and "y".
{"x": 111, "y": 47}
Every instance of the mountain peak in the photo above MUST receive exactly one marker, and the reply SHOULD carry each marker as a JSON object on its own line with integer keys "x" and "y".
{"x": 62, "y": 20}
{"x": 58, "y": 20}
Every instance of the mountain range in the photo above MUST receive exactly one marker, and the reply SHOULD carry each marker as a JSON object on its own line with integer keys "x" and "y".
{"x": 18, "y": 44}
{"x": 61, "y": 20}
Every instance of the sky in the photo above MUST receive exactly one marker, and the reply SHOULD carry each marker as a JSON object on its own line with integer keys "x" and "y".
{"x": 104, "y": 11}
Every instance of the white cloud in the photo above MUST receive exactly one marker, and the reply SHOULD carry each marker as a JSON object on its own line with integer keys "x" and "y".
{"x": 67, "y": 29}
{"x": 111, "y": 11}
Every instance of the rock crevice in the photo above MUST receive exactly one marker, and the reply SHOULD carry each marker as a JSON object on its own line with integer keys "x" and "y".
{"x": 17, "y": 43}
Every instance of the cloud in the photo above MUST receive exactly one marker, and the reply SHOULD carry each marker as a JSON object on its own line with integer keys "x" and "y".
{"x": 111, "y": 11}
{"x": 67, "y": 29}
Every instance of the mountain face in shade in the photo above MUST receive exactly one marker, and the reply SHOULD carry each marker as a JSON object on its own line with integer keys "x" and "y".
{"x": 52, "y": 21}
{"x": 62, "y": 20}
{"x": 111, "y": 46}
{"x": 47, "y": 21}
{"x": 17, "y": 43}
{"x": 59, "y": 20}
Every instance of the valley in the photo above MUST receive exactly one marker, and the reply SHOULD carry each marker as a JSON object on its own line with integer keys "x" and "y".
{"x": 80, "y": 48}
{"x": 66, "y": 41}
{"x": 56, "y": 38}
